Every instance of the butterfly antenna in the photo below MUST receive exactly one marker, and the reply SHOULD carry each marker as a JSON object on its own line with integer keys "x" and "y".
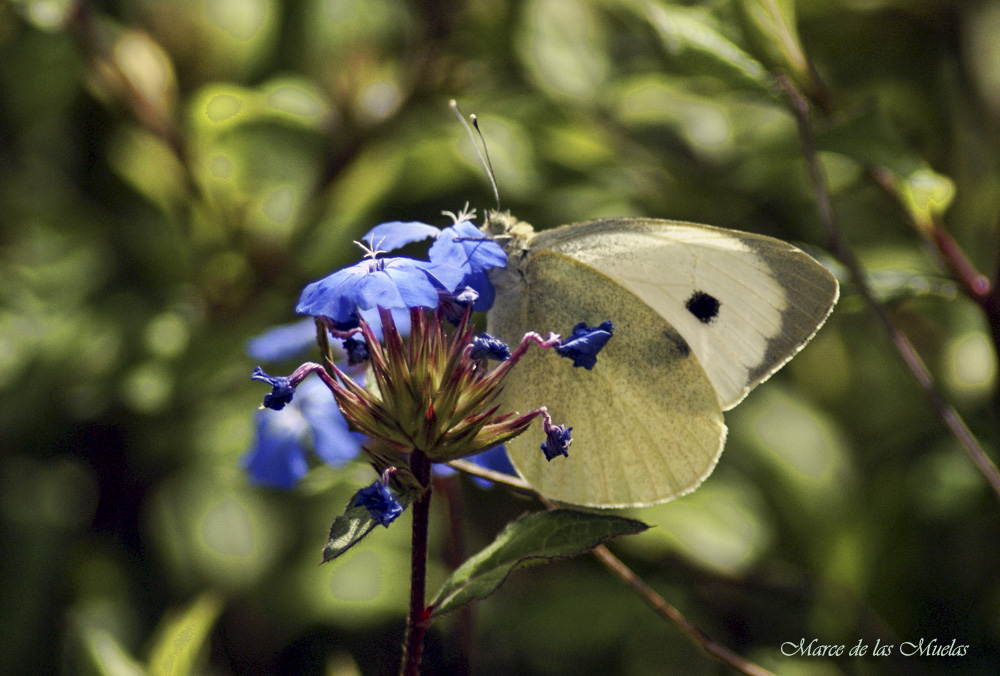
{"x": 484, "y": 159}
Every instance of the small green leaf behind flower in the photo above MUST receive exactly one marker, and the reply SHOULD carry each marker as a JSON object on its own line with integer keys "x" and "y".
{"x": 532, "y": 539}
{"x": 355, "y": 523}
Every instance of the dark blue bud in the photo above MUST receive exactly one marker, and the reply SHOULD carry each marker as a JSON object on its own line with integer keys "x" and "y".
{"x": 356, "y": 349}
{"x": 455, "y": 305}
{"x": 557, "y": 441}
{"x": 485, "y": 346}
{"x": 379, "y": 502}
{"x": 584, "y": 344}
{"x": 281, "y": 389}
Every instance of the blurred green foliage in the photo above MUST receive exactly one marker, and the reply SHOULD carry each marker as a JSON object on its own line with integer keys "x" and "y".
{"x": 172, "y": 172}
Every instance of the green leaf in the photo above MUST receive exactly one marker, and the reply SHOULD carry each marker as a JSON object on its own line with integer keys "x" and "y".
{"x": 770, "y": 29}
{"x": 105, "y": 656}
{"x": 181, "y": 637}
{"x": 871, "y": 139}
{"x": 532, "y": 539}
{"x": 692, "y": 33}
{"x": 353, "y": 525}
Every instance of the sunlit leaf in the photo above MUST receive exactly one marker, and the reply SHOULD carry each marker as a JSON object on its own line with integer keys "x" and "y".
{"x": 774, "y": 39}
{"x": 105, "y": 656}
{"x": 182, "y": 636}
{"x": 693, "y": 33}
{"x": 563, "y": 46}
{"x": 353, "y": 525}
{"x": 535, "y": 538}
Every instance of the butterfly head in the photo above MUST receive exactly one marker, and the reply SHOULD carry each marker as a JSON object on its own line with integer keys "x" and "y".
{"x": 511, "y": 233}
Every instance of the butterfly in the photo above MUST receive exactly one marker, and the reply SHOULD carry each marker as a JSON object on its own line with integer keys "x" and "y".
{"x": 701, "y": 316}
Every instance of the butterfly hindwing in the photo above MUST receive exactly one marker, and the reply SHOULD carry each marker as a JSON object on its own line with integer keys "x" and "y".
{"x": 647, "y": 425}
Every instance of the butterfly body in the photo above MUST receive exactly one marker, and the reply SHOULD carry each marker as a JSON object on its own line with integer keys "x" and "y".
{"x": 701, "y": 316}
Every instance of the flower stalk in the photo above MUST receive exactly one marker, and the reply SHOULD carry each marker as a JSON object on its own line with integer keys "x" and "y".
{"x": 417, "y": 621}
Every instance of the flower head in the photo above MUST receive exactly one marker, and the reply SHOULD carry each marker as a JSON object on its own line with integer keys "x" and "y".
{"x": 485, "y": 346}
{"x": 461, "y": 246}
{"x": 431, "y": 394}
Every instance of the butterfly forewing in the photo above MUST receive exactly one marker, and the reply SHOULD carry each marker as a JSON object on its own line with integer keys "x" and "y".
{"x": 744, "y": 303}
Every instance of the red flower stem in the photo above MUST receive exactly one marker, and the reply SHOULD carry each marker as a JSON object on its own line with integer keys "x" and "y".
{"x": 975, "y": 285}
{"x": 417, "y": 621}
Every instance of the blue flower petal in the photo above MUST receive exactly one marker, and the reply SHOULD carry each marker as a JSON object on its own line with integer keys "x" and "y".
{"x": 464, "y": 246}
{"x": 485, "y": 346}
{"x": 480, "y": 283}
{"x": 495, "y": 459}
{"x": 283, "y": 342}
{"x": 333, "y": 442}
{"x": 557, "y": 441}
{"x": 395, "y": 234}
{"x": 281, "y": 393}
{"x": 392, "y": 283}
{"x": 277, "y": 458}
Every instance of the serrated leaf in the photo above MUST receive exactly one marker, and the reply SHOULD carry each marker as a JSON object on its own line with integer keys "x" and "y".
{"x": 535, "y": 538}
{"x": 181, "y": 637}
{"x": 353, "y": 525}
{"x": 691, "y": 32}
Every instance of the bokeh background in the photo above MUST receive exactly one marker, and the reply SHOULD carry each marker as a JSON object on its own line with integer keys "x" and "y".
{"x": 173, "y": 172}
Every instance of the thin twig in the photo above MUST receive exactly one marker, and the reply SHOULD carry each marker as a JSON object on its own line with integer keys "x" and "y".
{"x": 615, "y": 565}
{"x": 660, "y": 606}
{"x": 843, "y": 252}
{"x": 979, "y": 288}
{"x": 82, "y": 25}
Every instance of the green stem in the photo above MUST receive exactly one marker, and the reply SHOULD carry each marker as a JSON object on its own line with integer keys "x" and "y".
{"x": 418, "y": 620}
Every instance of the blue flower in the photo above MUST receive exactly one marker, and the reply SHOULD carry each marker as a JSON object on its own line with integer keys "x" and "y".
{"x": 464, "y": 246}
{"x": 485, "y": 346}
{"x": 283, "y": 342}
{"x": 461, "y": 246}
{"x": 391, "y": 283}
{"x": 397, "y": 234}
{"x": 282, "y": 389}
{"x": 277, "y": 457}
{"x": 584, "y": 344}
{"x": 379, "y": 502}
{"x": 557, "y": 439}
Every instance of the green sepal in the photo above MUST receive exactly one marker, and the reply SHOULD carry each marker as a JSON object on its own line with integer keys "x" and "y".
{"x": 534, "y": 538}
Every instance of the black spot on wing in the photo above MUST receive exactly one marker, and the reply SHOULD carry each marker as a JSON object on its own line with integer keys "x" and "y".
{"x": 704, "y": 307}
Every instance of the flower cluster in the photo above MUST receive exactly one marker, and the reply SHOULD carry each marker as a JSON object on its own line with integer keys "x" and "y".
{"x": 432, "y": 394}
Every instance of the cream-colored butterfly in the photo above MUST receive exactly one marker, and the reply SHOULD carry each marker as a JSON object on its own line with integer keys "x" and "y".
{"x": 701, "y": 316}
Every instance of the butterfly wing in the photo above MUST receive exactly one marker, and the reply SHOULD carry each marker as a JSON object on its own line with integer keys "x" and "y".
{"x": 744, "y": 303}
{"x": 647, "y": 425}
